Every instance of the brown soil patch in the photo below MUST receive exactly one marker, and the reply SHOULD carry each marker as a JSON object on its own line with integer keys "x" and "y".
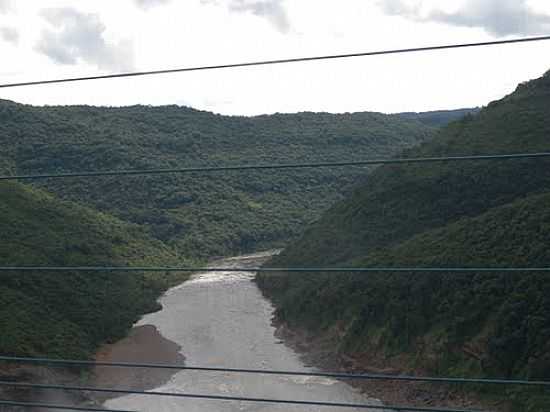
{"x": 144, "y": 344}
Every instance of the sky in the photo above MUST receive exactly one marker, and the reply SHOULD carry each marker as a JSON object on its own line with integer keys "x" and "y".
{"x": 49, "y": 39}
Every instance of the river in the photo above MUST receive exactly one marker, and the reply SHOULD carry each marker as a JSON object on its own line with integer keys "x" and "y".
{"x": 222, "y": 320}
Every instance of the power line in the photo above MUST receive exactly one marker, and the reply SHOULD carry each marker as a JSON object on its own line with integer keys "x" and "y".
{"x": 259, "y": 167}
{"x": 60, "y": 407}
{"x": 228, "y": 398}
{"x": 209, "y": 169}
{"x": 279, "y": 61}
{"x": 268, "y": 270}
{"x": 362, "y": 376}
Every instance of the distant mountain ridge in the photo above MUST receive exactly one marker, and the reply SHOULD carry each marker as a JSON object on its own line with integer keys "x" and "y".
{"x": 439, "y": 118}
{"x": 201, "y": 214}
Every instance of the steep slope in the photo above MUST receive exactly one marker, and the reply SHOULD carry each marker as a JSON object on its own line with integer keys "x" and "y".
{"x": 201, "y": 214}
{"x": 456, "y": 214}
{"x": 70, "y": 314}
{"x": 400, "y": 201}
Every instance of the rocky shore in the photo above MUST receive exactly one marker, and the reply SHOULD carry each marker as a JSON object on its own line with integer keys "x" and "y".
{"x": 319, "y": 352}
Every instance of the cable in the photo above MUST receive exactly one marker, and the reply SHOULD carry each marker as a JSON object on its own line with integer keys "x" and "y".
{"x": 279, "y": 61}
{"x": 208, "y": 169}
{"x": 245, "y": 167}
{"x": 268, "y": 270}
{"x": 228, "y": 398}
{"x": 62, "y": 407}
{"x": 362, "y": 376}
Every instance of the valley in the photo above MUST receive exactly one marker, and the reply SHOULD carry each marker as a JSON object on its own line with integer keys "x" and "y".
{"x": 493, "y": 213}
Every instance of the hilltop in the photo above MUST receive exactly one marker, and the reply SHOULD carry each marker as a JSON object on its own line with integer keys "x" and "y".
{"x": 201, "y": 215}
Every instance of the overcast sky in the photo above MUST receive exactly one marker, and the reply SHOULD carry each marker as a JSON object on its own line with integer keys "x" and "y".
{"x": 46, "y": 39}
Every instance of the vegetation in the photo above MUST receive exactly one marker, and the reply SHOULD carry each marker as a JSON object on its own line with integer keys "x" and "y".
{"x": 201, "y": 214}
{"x": 70, "y": 314}
{"x": 160, "y": 220}
{"x": 450, "y": 214}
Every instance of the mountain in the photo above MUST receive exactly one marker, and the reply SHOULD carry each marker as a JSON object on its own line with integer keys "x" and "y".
{"x": 438, "y": 118}
{"x": 200, "y": 214}
{"x": 466, "y": 214}
{"x": 69, "y": 314}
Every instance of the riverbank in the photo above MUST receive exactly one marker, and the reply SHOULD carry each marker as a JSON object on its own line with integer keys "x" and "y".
{"x": 41, "y": 375}
{"x": 319, "y": 352}
{"x": 144, "y": 344}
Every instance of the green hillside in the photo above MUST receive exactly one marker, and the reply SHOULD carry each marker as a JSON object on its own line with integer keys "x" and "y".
{"x": 455, "y": 214}
{"x": 70, "y": 314}
{"x": 201, "y": 214}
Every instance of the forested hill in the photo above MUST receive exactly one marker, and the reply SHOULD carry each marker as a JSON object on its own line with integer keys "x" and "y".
{"x": 69, "y": 314}
{"x": 201, "y": 214}
{"x": 455, "y": 214}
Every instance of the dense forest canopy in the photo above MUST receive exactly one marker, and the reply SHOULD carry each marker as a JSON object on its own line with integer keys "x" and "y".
{"x": 201, "y": 214}
{"x": 160, "y": 220}
{"x": 476, "y": 214}
{"x": 69, "y": 314}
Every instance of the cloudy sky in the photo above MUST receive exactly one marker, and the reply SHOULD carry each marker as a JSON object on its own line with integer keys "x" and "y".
{"x": 47, "y": 39}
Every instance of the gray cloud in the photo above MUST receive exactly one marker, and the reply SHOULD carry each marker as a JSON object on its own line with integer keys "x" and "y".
{"x": 272, "y": 10}
{"x": 499, "y": 17}
{"x": 76, "y": 36}
{"x": 9, "y": 34}
{"x": 147, "y": 4}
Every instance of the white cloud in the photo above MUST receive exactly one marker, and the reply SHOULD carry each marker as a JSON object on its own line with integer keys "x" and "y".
{"x": 499, "y": 17}
{"x": 75, "y": 36}
{"x": 189, "y": 33}
{"x": 272, "y": 10}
